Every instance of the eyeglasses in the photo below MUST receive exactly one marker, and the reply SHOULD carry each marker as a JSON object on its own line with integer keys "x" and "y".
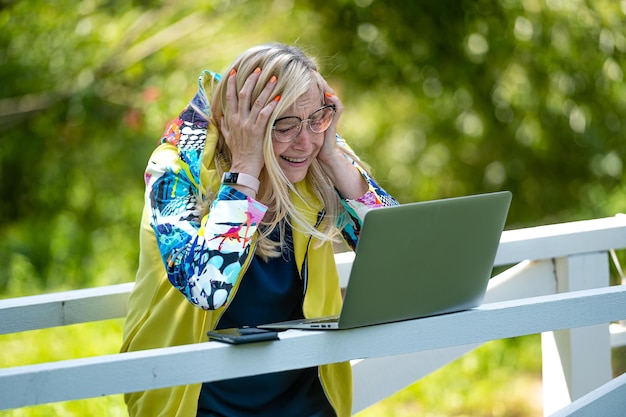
{"x": 286, "y": 129}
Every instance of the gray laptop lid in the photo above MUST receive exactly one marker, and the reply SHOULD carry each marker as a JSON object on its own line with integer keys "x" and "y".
{"x": 422, "y": 259}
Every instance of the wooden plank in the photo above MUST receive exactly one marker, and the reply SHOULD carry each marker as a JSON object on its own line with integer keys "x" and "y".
{"x": 543, "y": 242}
{"x": 559, "y": 240}
{"x": 63, "y": 308}
{"x": 136, "y": 371}
{"x": 79, "y": 306}
{"x": 608, "y": 400}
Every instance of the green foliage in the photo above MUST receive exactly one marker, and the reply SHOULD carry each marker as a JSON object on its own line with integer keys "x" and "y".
{"x": 477, "y": 96}
{"x": 442, "y": 99}
{"x": 70, "y": 342}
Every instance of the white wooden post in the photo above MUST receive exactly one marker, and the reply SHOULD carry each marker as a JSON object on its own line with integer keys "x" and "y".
{"x": 576, "y": 361}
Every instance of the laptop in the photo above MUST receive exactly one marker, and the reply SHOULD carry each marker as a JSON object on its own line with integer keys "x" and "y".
{"x": 417, "y": 260}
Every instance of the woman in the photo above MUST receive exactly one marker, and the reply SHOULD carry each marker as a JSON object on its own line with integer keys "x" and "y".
{"x": 244, "y": 198}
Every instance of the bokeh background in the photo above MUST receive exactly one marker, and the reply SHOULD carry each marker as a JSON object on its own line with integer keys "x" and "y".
{"x": 442, "y": 99}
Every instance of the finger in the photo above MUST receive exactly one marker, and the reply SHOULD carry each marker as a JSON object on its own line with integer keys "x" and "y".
{"x": 327, "y": 88}
{"x": 245, "y": 93}
{"x": 266, "y": 94}
{"x": 331, "y": 99}
{"x": 231, "y": 91}
{"x": 266, "y": 112}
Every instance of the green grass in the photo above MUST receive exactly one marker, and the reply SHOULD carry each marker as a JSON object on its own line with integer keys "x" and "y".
{"x": 61, "y": 343}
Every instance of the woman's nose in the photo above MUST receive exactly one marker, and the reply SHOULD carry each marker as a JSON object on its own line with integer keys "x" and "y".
{"x": 303, "y": 138}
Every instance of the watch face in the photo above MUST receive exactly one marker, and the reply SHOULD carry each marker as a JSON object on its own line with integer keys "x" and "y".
{"x": 230, "y": 178}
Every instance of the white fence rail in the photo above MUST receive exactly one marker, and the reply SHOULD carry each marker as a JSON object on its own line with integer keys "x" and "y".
{"x": 559, "y": 287}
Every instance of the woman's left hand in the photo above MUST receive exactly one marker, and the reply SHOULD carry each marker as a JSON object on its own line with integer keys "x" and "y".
{"x": 345, "y": 176}
{"x": 329, "y": 148}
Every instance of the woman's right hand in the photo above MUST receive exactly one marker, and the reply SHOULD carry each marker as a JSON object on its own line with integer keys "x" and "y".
{"x": 244, "y": 123}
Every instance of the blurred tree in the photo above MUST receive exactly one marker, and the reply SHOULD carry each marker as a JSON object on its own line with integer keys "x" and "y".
{"x": 443, "y": 98}
{"x": 474, "y": 96}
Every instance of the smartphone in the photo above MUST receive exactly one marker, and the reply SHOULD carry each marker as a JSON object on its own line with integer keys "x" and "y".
{"x": 237, "y": 336}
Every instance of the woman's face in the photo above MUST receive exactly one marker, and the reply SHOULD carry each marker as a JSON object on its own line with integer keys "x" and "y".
{"x": 295, "y": 157}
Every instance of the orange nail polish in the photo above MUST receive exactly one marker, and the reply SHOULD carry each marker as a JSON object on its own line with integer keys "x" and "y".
{"x": 257, "y": 70}
{"x": 233, "y": 72}
{"x": 273, "y": 79}
{"x": 327, "y": 94}
{"x": 276, "y": 98}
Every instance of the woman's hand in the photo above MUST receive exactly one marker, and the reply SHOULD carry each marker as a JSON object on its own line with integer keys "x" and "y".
{"x": 329, "y": 149}
{"x": 245, "y": 122}
{"x": 346, "y": 178}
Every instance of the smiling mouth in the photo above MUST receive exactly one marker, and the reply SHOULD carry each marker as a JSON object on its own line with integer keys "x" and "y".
{"x": 294, "y": 160}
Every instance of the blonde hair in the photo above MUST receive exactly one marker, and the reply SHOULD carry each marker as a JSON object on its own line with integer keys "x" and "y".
{"x": 296, "y": 74}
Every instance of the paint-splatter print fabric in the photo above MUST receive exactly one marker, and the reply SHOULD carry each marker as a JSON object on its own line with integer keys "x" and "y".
{"x": 204, "y": 257}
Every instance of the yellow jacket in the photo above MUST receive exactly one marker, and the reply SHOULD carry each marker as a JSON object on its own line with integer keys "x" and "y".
{"x": 155, "y": 301}
{"x": 161, "y": 315}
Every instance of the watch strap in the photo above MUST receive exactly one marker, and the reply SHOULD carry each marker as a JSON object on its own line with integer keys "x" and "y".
{"x": 239, "y": 178}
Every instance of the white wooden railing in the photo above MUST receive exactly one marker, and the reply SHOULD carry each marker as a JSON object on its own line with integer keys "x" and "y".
{"x": 558, "y": 285}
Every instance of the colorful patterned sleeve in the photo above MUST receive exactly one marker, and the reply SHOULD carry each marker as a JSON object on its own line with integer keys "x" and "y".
{"x": 356, "y": 209}
{"x": 203, "y": 257}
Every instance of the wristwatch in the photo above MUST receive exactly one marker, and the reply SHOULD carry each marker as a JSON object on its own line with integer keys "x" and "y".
{"x": 240, "y": 178}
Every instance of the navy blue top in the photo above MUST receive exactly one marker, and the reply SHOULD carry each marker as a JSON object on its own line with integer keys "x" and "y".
{"x": 269, "y": 292}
